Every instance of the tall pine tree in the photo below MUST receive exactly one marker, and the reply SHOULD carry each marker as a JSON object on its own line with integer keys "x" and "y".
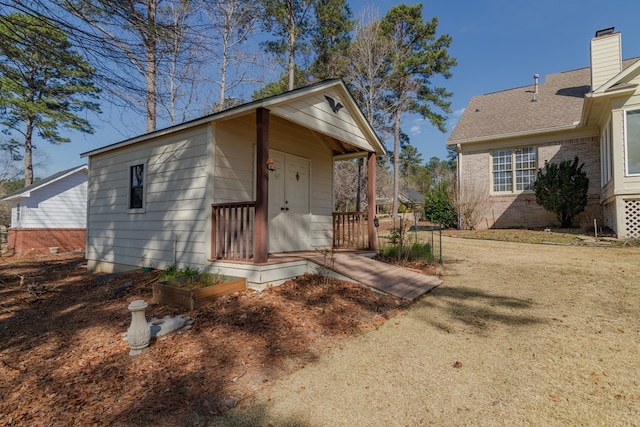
{"x": 418, "y": 56}
{"x": 44, "y": 84}
{"x": 331, "y": 39}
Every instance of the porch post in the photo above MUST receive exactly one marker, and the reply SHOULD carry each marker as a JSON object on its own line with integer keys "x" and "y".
{"x": 261, "y": 218}
{"x": 371, "y": 206}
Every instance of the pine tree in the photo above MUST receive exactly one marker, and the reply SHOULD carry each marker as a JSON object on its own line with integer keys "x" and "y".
{"x": 43, "y": 84}
{"x": 289, "y": 21}
{"x": 417, "y": 57}
{"x": 331, "y": 39}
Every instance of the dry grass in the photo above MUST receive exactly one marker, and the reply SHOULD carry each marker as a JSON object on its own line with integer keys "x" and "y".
{"x": 518, "y": 335}
{"x": 569, "y": 236}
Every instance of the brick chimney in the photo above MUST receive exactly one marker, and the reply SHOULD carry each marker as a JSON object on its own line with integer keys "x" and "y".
{"x": 606, "y": 57}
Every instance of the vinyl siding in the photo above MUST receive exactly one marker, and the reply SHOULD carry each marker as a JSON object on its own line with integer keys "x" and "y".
{"x": 315, "y": 109}
{"x": 175, "y": 211}
{"x": 59, "y": 204}
{"x": 606, "y": 59}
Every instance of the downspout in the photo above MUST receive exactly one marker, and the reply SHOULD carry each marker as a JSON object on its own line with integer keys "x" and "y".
{"x": 175, "y": 248}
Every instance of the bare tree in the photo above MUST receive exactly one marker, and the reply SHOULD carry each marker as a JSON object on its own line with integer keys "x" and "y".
{"x": 125, "y": 33}
{"x": 367, "y": 74}
{"x": 233, "y": 22}
{"x": 472, "y": 204}
{"x": 181, "y": 62}
{"x": 345, "y": 183}
{"x": 368, "y": 71}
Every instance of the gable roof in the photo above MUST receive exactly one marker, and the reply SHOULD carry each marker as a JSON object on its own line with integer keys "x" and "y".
{"x": 26, "y": 191}
{"x": 511, "y": 113}
{"x": 341, "y": 142}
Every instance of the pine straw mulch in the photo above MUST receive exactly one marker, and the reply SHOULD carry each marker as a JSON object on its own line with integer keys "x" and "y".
{"x": 63, "y": 360}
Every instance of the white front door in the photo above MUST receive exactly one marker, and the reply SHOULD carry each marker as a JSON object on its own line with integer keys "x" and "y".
{"x": 289, "y": 211}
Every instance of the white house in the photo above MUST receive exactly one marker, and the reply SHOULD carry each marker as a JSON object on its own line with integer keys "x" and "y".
{"x": 225, "y": 191}
{"x": 593, "y": 113}
{"x": 50, "y": 213}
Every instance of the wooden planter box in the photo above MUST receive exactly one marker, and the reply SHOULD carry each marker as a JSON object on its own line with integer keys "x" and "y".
{"x": 191, "y": 299}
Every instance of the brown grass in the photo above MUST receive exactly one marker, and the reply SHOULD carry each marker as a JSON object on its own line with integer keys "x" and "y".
{"x": 518, "y": 334}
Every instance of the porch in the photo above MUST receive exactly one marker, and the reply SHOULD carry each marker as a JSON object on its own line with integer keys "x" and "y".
{"x": 233, "y": 228}
{"x": 346, "y": 264}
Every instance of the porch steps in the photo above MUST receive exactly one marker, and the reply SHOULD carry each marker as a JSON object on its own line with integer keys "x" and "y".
{"x": 378, "y": 275}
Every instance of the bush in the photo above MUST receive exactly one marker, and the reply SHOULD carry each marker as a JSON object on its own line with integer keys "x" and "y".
{"x": 175, "y": 272}
{"x": 415, "y": 252}
{"x": 562, "y": 188}
{"x": 438, "y": 207}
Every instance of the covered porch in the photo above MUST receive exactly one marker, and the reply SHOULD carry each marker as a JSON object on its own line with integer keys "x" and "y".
{"x": 245, "y": 231}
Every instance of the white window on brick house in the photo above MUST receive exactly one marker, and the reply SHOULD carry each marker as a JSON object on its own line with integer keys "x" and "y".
{"x": 18, "y": 213}
{"x": 606, "y": 155}
{"x": 632, "y": 142}
{"x": 517, "y": 166}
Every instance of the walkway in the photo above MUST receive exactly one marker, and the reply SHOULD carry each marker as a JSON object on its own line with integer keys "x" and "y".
{"x": 378, "y": 275}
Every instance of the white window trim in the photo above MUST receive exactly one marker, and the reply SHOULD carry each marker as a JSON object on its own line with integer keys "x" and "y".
{"x": 513, "y": 171}
{"x": 626, "y": 141}
{"x": 19, "y": 214}
{"x": 143, "y": 209}
{"x": 606, "y": 154}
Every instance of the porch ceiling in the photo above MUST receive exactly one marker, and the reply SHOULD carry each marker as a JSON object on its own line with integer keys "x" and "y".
{"x": 338, "y": 147}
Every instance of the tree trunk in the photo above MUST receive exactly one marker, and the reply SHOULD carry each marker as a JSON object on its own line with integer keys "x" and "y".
{"x": 396, "y": 164}
{"x": 152, "y": 65}
{"x": 292, "y": 44}
{"x": 28, "y": 153}
{"x": 359, "y": 187}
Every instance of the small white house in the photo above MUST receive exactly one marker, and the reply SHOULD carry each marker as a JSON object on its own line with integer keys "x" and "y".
{"x": 50, "y": 213}
{"x": 226, "y": 191}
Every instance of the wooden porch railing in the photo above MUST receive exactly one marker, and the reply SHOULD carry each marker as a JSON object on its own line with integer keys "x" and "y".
{"x": 350, "y": 230}
{"x": 232, "y": 230}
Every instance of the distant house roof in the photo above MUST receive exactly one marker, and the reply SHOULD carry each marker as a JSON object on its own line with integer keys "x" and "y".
{"x": 26, "y": 191}
{"x": 411, "y": 196}
{"x": 513, "y": 112}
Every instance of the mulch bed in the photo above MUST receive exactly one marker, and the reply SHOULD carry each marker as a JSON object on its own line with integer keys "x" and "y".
{"x": 63, "y": 359}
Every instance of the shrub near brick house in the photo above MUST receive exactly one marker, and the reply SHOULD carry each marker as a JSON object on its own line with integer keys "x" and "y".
{"x": 438, "y": 207}
{"x": 562, "y": 188}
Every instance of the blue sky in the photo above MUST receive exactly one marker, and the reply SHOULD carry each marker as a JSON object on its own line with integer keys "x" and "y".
{"x": 499, "y": 44}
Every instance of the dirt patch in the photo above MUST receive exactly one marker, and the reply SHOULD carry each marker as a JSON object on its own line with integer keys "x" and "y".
{"x": 63, "y": 359}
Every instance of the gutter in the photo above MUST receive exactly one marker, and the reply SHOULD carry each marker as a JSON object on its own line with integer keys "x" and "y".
{"x": 573, "y": 126}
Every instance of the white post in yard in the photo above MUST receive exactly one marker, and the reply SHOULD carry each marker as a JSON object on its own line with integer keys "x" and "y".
{"x": 139, "y": 333}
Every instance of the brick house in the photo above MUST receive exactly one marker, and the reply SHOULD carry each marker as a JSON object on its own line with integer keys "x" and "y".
{"x": 503, "y": 138}
{"x": 50, "y": 213}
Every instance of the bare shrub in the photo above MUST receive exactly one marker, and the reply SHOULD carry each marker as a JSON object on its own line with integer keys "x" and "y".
{"x": 471, "y": 204}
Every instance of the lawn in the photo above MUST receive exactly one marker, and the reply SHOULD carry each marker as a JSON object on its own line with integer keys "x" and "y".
{"x": 518, "y": 334}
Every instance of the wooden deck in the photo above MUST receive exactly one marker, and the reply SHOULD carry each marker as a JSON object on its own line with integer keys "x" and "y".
{"x": 378, "y": 275}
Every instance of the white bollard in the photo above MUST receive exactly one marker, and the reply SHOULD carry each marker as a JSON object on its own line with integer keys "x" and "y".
{"x": 138, "y": 334}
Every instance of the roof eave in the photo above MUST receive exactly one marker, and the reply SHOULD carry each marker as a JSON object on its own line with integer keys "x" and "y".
{"x": 515, "y": 134}
{"x": 22, "y": 194}
{"x": 15, "y": 197}
{"x": 372, "y": 138}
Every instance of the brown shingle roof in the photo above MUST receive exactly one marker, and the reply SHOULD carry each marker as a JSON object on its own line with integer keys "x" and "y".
{"x": 512, "y": 112}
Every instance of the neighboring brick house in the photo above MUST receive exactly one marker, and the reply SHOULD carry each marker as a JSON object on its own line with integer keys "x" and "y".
{"x": 503, "y": 138}
{"x": 50, "y": 213}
